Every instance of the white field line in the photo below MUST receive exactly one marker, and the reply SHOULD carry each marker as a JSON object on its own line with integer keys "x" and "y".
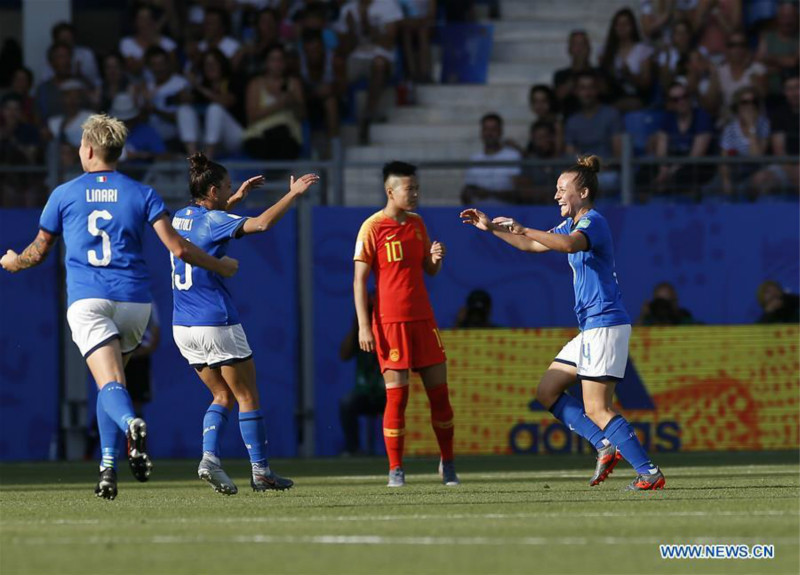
{"x": 381, "y": 540}
{"x": 396, "y": 518}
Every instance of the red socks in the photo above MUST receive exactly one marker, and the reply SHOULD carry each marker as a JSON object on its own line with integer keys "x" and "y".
{"x": 442, "y": 419}
{"x": 394, "y": 424}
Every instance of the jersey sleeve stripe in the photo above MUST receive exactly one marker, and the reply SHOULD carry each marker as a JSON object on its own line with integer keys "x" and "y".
{"x": 51, "y": 232}
{"x": 588, "y": 239}
{"x": 164, "y": 212}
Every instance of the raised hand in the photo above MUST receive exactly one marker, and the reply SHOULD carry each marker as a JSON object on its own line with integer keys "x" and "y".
{"x": 437, "y": 252}
{"x": 509, "y": 224}
{"x": 476, "y": 218}
{"x": 301, "y": 184}
{"x": 244, "y": 189}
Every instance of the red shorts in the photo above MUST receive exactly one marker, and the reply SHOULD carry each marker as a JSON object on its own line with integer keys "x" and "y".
{"x": 408, "y": 345}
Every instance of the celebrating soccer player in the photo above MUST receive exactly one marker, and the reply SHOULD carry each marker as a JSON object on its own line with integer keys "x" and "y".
{"x": 597, "y": 356}
{"x": 101, "y": 215}
{"x": 394, "y": 244}
{"x": 206, "y": 325}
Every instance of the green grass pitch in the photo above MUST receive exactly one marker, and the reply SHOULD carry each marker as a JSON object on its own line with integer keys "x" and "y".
{"x": 510, "y": 515}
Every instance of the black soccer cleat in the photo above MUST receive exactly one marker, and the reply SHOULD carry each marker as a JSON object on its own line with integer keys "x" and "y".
{"x": 271, "y": 482}
{"x": 107, "y": 484}
{"x": 140, "y": 463}
{"x": 607, "y": 459}
{"x": 648, "y": 482}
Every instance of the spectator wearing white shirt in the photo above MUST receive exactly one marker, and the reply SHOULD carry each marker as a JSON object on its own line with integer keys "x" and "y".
{"x": 740, "y": 70}
{"x": 167, "y": 97}
{"x": 146, "y": 35}
{"x": 496, "y": 183}
{"x": 67, "y": 128}
{"x": 368, "y": 30}
{"x": 746, "y": 135}
{"x": 84, "y": 62}
{"x": 216, "y": 26}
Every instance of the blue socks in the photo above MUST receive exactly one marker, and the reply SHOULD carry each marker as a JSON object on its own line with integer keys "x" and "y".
{"x": 109, "y": 437}
{"x": 117, "y": 404}
{"x": 254, "y": 434}
{"x": 570, "y": 411}
{"x": 213, "y": 423}
{"x": 620, "y": 433}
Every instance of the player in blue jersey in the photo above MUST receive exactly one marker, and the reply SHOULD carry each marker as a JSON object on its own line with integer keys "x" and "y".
{"x": 206, "y": 325}
{"x": 597, "y": 356}
{"x": 101, "y": 215}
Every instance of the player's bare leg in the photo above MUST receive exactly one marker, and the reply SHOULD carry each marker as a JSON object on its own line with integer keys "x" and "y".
{"x": 434, "y": 378}
{"x": 210, "y": 469}
{"x": 241, "y": 379}
{"x": 394, "y": 423}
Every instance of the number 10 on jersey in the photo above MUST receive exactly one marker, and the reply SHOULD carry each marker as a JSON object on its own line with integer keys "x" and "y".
{"x": 394, "y": 251}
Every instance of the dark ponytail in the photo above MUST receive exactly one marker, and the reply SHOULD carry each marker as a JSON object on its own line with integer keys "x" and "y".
{"x": 203, "y": 173}
{"x": 586, "y": 174}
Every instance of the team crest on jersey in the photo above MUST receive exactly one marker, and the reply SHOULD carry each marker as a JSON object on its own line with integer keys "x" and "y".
{"x": 394, "y": 354}
{"x": 584, "y": 223}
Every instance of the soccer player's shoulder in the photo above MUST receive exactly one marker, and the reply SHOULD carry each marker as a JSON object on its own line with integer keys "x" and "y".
{"x": 371, "y": 223}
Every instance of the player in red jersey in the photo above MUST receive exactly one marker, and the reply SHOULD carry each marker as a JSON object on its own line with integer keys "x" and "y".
{"x": 394, "y": 244}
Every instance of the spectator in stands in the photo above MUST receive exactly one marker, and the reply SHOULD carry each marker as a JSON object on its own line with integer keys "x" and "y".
{"x": 784, "y": 122}
{"x": 323, "y": 85}
{"x": 492, "y": 184}
{"x": 417, "y": 28}
{"x": 66, "y": 128}
{"x": 664, "y": 308}
{"x": 368, "y": 397}
{"x": 267, "y": 26}
{"x": 48, "y": 94}
{"x": 315, "y": 17}
{"x": 543, "y": 104}
{"x": 745, "y": 135}
{"x": 702, "y": 82}
{"x": 658, "y": 17}
{"x": 216, "y": 105}
{"x": 143, "y": 143}
{"x": 146, "y": 35}
{"x": 714, "y": 21}
{"x": 84, "y": 62}
{"x": 275, "y": 108}
{"x": 216, "y": 26}
{"x": 166, "y": 100}
{"x": 20, "y": 145}
{"x": 21, "y": 86}
{"x": 739, "y": 70}
{"x": 115, "y": 81}
{"x": 673, "y": 58}
{"x": 368, "y": 30}
{"x": 627, "y": 62}
{"x": 536, "y": 183}
{"x": 686, "y": 131}
{"x": 477, "y": 311}
{"x": 778, "y": 49}
{"x": 778, "y": 306}
{"x": 595, "y": 129}
{"x": 564, "y": 80}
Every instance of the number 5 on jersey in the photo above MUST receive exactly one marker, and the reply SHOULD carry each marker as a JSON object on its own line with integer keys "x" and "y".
{"x": 91, "y": 225}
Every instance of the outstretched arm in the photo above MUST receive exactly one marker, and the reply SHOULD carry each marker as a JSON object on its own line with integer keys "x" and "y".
{"x": 31, "y": 256}
{"x": 478, "y": 219}
{"x": 568, "y": 244}
{"x": 271, "y": 215}
{"x": 190, "y": 253}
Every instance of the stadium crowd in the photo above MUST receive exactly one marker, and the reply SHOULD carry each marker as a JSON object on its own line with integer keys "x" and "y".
{"x": 275, "y": 79}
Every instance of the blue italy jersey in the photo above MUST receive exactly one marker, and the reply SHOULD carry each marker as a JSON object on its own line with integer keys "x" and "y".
{"x": 201, "y": 297}
{"x": 101, "y": 216}
{"x": 598, "y": 300}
